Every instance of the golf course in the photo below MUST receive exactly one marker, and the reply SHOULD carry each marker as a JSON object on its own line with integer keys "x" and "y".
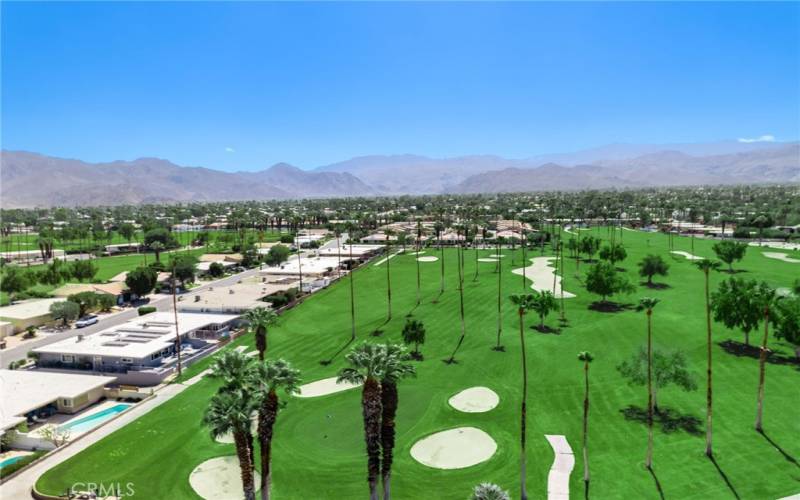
{"x": 318, "y": 449}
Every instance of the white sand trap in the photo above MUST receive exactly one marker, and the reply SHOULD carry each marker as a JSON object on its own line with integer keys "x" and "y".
{"x": 541, "y": 273}
{"x": 454, "y": 448}
{"x": 219, "y": 479}
{"x": 780, "y": 256}
{"x": 324, "y": 387}
{"x": 428, "y": 258}
{"x": 241, "y": 348}
{"x": 475, "y": 400}
{"x": 252, "y": 354}
{"x": 486, "y": 259}
{"x": 563, "y": 463}
{"x": 387, "y": 258}
{"x": 227, "y": 438}
{"x": 782, "y": 245}
{"x": 686, "y": 254}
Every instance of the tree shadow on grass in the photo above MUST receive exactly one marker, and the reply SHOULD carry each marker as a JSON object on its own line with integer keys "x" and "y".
{"x": 658, "y": 483}
{"x": 546, "y": 329}
{"x": 724, "y": 477}
{"x": 668, "y": 419}
{"x": 733, "y": 271}
{"x": 326, "y": 362}
{"x": 655, "y": 286}
{"x": 609, "y": 307}
{"x": 788, "y": 457}
{"x": 740, "y": 349}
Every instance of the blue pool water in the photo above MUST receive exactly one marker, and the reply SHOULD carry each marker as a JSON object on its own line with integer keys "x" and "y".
{"x": 9, "y": 461}
{"x": 91, "y": 421}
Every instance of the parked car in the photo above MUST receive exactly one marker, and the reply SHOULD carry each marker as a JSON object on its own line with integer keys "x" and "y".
{"x": 91, "y": 319}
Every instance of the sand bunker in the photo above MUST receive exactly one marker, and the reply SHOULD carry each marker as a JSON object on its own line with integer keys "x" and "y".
{"x": 227, "y": 438}
{"x": 428, "y": 258}
{"x": 541, "y": 273}
{"x": 782, "y": 245}
{"x": 475, "y": 400}
{"x": 387, "y": 258}
{"x": 324, "y": 387}
{"x": 487, "y": 260}
{"x": 454, "y": 448}
{"x": 780, "y": 256}
{"x": 219, "y": 479}
{"x": 563, "y": 463}
{"x": 686, "y": 254}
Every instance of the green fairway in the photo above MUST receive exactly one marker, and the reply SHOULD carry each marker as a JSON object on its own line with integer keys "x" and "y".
{"x": 319, "y": 451}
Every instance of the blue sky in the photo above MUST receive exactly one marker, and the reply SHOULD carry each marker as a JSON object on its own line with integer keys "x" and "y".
{"x": 244, "y": 85}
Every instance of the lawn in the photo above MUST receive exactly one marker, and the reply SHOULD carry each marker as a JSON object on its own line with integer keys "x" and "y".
{"x": 318, "y": 447}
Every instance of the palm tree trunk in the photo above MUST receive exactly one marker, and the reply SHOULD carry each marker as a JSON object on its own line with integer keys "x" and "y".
{"x": 266, "y": 422}
{"x": 371, "y": 410}
{"x": 762, "y": 361}
{"x": 499, "y": 306}
{"x": 352, "y": 295}
{"x": 418, "y": 282}
{"x": 523, "y": 409}
{"x": 388, "y": 283}
{"x": 461, "y": 310}
{"x": 245, "y": 465}
{"x": 441, "y": 251}
{"x": 709, "y": 400}
{"x": 649, "y": 459}
{"x": 586, "y": 423}
{"x": 389, "y": 400}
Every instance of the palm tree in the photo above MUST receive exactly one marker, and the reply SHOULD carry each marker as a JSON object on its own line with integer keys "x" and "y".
{"x": 419, "y": 240}
{"x": 766, "y": 297}
{"x": 352, "y": 286}
{"x": 524, "y": 302}
{"x": 460, "y": 265}
{"x": 499, "y": 347}
{"x": 233, "y": 368}
{"x": 396, "y": 368}
{"x": 648, "y": 304}
{"x": 587, "y": 358}
{"x": 367, "y": 366}
{"x": 229, "y": 412}
{"x": 543, "y": 303}
{"x": 389, "y": 233}
{"x": 706, "y": 266}
{"x": 261, "y": 319}
{"x": 270, "y": 376}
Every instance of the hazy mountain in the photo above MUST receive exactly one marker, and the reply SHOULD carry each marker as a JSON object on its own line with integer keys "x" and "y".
{"x": 664, "y": 168}
{"x": 304, "y": 183}
{"x": 30, "y": 179}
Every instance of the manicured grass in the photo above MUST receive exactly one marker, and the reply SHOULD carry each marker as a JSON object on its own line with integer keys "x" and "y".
{"x": 319, "y": 450}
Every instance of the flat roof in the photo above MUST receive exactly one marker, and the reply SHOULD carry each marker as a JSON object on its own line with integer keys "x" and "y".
{"x": 25, "y": 309}
{"x": 137, "y": 338}
{"x": 240, "y": 296}
{"x": 310, "y": 265}
{"x": 33, "y": 389}
{"x": 344, "y": 250}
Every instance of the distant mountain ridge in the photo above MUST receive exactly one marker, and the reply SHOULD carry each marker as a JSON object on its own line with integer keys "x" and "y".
{"x": 30, "y": 179}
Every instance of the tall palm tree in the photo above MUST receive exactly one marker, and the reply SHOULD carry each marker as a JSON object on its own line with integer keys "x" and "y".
{"x": 367, "y": 366}
{"x": 389, "y": 234}
{"x": 460, "y": 265}
{"x": 706, "y": 266}
{"x": 269, "y": 377}
{"x": 395, "y": 369}
{"x": 352, "y": 286}
{"x": 229, "y": 412}
{"x": 587, "y": 358}
{"x": 647, "y": 304}
{"x": 524, "y": 302}
{"x": 766, "y": 297}
{"x": 419, "y": 240}
{"x": 157, "y": 247}
{"x": 233, "y": 368}
{"x": 499, "y": 347}
{"x": 261, "y": 318}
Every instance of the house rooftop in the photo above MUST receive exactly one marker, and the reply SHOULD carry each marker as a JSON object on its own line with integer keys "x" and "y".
{"x": 33, "y": 389}
{"x": 137, "y": 338}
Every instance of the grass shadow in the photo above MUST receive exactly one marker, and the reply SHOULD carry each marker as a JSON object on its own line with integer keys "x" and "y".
{"x": 724, "y": 477}
{"x": 546, "y": 329}
{"x": 667, "y": 419}
{"x": 609, "y": 307}
{"x": 783, "y": 452}
{"x": 655, "y": 286}
{"x": 658, "y": 483}
{"x": 326, "y": 362}
{"x": 740, "y": 349}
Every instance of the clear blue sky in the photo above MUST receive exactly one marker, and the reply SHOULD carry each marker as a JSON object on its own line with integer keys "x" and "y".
{"x": 244, "y": 85}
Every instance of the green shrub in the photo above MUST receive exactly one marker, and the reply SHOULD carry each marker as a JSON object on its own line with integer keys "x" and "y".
{"x": 146, "y": 310}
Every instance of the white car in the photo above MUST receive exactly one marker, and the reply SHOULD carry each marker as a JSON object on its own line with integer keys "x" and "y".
{"x": 86, "y": 321}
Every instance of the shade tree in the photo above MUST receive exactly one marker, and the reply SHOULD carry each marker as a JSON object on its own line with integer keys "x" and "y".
{"x": 652, "y": 265}
{"x": 729, "y": 252}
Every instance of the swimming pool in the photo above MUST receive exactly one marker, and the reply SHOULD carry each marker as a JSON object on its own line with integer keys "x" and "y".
{"x": 89, "y": 422}
{"x": 12, "y": 460}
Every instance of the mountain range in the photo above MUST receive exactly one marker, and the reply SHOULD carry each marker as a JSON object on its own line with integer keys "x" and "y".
{"x": 30, "y": 179}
